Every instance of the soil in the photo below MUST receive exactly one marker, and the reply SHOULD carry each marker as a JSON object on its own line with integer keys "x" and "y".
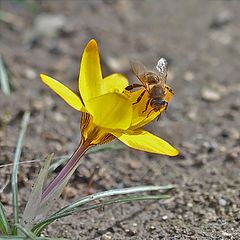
{"x": 201, "y": 40}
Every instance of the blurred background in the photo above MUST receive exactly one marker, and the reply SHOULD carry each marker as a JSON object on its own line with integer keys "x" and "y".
{"x": 200, "y": 40}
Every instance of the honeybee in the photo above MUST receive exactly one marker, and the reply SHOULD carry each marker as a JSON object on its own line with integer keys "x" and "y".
{"x": 154, "y": 83}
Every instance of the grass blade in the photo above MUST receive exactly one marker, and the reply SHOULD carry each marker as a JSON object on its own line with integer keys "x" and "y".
{"x": 14, "y": 181}
{"x": 41, "y": 226}
{"x": 126, "y": 200}
{"x": 31, "y": 209}
{"x": 113, "y": 192}
{"x": 4, "y": 78}
{"x": 31, "y": 236}
{"x": 4, "y": 226}
{"x": 78, "y": 205}
{"x": 7, "y": 237}
{"x": 27, "y": 233}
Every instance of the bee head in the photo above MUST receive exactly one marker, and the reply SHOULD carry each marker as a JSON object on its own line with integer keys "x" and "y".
{"x": 158, "y": 103}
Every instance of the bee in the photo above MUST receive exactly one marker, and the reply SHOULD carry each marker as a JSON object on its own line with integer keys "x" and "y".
{"x": 154, "y": 83}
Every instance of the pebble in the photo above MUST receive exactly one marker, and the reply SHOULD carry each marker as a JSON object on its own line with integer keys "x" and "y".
{"x": 192, "y": 114}
{"x": 189, "y": 76}
{"x": 69, "y": 192}
{"x": 222, "y": 202}
{"x": 120, "y": 64}
{"x": 152, "y": 228}
{"x": 49, "y": 25}
{"x": 37, "y": 105}
{"x": 189, "y": 204}
{"x": 30, "y": 73}
{"x": 134, "y": 164}
{"x": 210, "y": 146}
{"x": 210, "y": 95}
{"x": 107, "y": 236}
{"x": 233, "y": 155}
{"x": 221, "y": 37}
{"x": 226, "y": 234}
{"x": 59, "y": 117}
{"x": 165, "y": 217}
{"x": 222, "y": 19}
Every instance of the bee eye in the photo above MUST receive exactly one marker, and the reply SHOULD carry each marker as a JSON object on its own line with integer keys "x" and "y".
{"x": 157, "y": 102}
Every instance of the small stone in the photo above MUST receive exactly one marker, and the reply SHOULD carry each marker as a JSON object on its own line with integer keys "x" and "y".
{"x": 165, "y": 217}
{"x": 225, "y": 133}
{"x": 223, "y": 18}
{"x": 59, "y": 117}
{"x": 192, "y": 114}
{"x": 210, "y": 146}
{"x": 226, "y": 234}
{"x": 189, "y": 76}
{"x": 221, "y": 37}
{"x": 107, "y": 236}
{"x": 233, "y": 155}
{"x": 37, "y": 105}
{"x": 49, "y": 25}
{"x": 118, "y": 64}
{"x": 69, "y": 192}
{"x": 210, "y": 95}
{"x": 134, "y": 164}
{"x": 189, "y": 204}
{"x": 152, "y": 228}
{"x": 222, "y": 202}
{"x": 30, "y": 74}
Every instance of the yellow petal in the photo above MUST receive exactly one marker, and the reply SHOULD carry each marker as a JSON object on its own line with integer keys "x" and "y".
{"x": 145, "y": 141}
{"x": 93, "y": 133}
{"x": 68, "y": 95}
{"x": 90, "y": 78}
{"x": 115, "y": 83}
{"x": 111, "y": 110}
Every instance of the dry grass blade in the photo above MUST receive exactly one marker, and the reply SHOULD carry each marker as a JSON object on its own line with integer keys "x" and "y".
{"x": 4, "y": 78}
{"x": 14, "y": 181}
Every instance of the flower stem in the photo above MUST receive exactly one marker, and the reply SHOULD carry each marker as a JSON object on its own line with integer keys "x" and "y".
{"x": 72, "y": 162}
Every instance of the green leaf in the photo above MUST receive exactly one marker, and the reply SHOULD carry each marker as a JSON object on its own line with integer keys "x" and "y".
{"x": 78, "y": 205}
{"x": 14, "y": 181}
{"x": 8, "y": 237}
{"x": 126, "y": 200}
{"x": 4, "y": 226}
{"x": 31, "y": 210}
{"x": 41, "y": 226}
{"x": 113, "y": 192}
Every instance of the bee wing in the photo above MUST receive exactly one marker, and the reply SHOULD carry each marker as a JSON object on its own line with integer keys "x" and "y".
{"x": 162, "y": 67}
{"x": 139, "y": 69}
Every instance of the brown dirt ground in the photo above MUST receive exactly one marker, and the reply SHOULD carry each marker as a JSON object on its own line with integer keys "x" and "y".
{"x": 201, "y": 39}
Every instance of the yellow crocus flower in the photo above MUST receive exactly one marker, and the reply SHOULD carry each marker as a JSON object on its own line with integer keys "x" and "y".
{"x": 107, "y": 110}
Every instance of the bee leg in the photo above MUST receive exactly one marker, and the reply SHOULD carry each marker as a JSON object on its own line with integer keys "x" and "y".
{"x": 169, "y": 89}
{"x": 147, "y": 106}
{"x": 159, "y": 116}
{"x": 134, "y": 85}
{"x": 166, "y": 105}
{"x": 149, "y": 113}
{"x": 140, "y": 97}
